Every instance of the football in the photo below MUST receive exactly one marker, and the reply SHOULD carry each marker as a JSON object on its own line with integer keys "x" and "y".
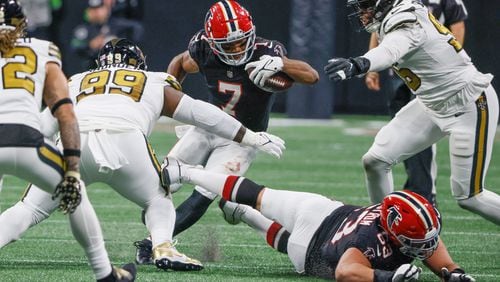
{"x": 278, "y": 82}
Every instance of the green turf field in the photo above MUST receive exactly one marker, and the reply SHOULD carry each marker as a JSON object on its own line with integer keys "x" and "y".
{"x": 321, "y": 158}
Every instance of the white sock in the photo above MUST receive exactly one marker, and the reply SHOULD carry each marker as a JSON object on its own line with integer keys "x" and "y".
{"x": 88, "y": 233}
{"x": 160, "y": 220}
{"x": 256, "y": 220}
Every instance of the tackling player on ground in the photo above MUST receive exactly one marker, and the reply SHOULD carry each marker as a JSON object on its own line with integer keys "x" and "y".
{"x": 332, "y": 240}
{"x": 452, "y": 99}
{"x": 222, "y": 53}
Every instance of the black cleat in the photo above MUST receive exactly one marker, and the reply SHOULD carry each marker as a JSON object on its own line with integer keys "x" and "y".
{"x": 144, "y": 252}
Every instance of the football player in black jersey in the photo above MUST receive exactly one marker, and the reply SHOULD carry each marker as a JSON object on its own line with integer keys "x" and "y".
{"x": 223, "y": 52}
{"x": 330, "y": 239}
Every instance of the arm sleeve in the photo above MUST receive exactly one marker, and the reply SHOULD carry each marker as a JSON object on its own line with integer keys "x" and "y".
{"x": 394, "y": 46}
{"x": 207, "y": 117}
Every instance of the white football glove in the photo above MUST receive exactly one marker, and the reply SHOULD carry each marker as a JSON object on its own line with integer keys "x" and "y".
{"x": 406, "y": 272}
{"x": 265, "y": 142}
{"x": 457, "y": 275}
{"x": 265, "y": 67}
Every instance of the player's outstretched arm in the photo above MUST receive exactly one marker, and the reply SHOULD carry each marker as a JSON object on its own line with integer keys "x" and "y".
{"x": 181, "y": 65}
{"x": 354, "y": 266}
{"x": 300, "y": 71}
{"x": 443, "y": 266}
{"x": 185, "y": 109}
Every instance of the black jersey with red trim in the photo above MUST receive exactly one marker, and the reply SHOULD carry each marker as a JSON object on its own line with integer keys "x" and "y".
{"x": 230, "y": 88}
{"x": 351, "y": 227}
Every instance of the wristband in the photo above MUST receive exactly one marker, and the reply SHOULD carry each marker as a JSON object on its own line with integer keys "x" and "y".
{"x": 71, "y": 152}
{"x": 71, "y": 173}
{"x": 382, "y": 275}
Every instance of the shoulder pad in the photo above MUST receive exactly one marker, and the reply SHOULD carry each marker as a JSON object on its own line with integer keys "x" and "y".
{"x": 200, "y": 35}
{"x": 396, "y": 20}
{"x": 270, "y": 47}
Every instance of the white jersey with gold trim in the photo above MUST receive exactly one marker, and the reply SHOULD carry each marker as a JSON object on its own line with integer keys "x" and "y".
{"x": 428, "y": 58}
{"x": 118, "y": 98}
{"x": 22, "y": 80}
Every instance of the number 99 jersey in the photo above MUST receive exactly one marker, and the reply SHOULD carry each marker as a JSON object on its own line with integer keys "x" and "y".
{"x": 118, "y": 97}
{"x": 22, "y": 80}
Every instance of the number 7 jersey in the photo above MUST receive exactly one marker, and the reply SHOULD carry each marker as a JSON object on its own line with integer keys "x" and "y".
{"x": 118, "y": 98}
{"x": 22, "y": 78}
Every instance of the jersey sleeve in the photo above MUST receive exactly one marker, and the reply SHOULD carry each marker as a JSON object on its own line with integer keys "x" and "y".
{"x": 54, "y": 54}
{"x": 454, "y": 11}
{"x": 395, "y": 45}
{"x": 198, "y": 47}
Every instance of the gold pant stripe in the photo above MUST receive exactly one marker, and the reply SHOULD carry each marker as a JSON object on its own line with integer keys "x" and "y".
{"x": 52, "y": 157}
{"x": 152, "y": 156}
{"x": 481, "y": 141}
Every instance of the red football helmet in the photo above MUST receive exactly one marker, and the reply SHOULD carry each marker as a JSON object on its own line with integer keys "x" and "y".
{"x": 411, "y": 222}
{"x": 228, "y": 23}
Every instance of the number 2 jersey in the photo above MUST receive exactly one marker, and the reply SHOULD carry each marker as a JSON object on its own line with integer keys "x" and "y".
{"x": 229, "y": 86}
{"x": 118, "y": 98}
{"x": 351, "y": 227}
{"x": 23, "y": 79}
{"x": 428, "y": 58}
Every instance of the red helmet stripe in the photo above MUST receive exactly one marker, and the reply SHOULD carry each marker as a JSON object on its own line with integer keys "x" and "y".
{"x": 422, "y": 211}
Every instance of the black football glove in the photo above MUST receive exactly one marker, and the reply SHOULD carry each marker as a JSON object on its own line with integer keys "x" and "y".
{"x": 69, "y": 192}
{"x": 339, "y": 69}
{"x": 457, "y": 275}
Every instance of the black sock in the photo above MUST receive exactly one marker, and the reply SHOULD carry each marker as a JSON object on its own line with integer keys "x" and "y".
{"x": 190, "y": 211}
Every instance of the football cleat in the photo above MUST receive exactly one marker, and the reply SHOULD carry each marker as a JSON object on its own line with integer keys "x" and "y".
{"x": 126, "y": 273}
{"x": 166, "y": 257}
{"x": 173, "y": 172}
{"x": 232, "y": 212}
{"x": 144, "y": 252}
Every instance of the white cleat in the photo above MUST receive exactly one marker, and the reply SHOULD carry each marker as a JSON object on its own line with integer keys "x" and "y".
{"x": 232, "y": 212}
{"x": 171, "y": 172}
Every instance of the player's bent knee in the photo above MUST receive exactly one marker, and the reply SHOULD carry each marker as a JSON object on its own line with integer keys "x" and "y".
{"x": 371, "y": 163}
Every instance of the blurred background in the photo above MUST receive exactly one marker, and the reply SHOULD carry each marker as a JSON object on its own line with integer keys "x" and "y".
{"x": 312, "y": 30}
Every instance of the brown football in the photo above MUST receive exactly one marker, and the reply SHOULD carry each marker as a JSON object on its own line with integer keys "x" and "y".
{"x": 278, "y": 82}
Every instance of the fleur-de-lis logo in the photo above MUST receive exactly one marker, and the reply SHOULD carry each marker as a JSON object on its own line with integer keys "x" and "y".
{"x": 481, "y": 103}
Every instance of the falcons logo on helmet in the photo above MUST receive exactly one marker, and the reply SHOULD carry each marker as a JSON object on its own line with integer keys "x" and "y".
{"x": 393, "y": 217}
